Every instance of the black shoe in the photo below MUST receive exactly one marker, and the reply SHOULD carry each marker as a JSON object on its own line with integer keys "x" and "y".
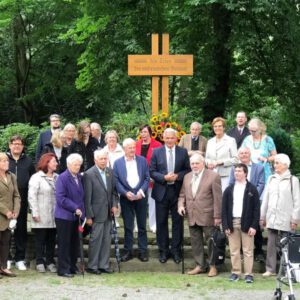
{"x": 68, "y": 275}
{"x": 106, "y": 271}
{"x": 234, "y": 277}
{"x": 92, "y": 271}
{"x": 143, "y": 257}
{"x": 177, "y": 258}
{"x": 163, "y": 258}
{"x": 127, "y": 256}
{"x": 249, "y": 279}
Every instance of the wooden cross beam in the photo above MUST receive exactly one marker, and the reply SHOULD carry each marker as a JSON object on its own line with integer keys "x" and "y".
{"x": 160, "y": 65}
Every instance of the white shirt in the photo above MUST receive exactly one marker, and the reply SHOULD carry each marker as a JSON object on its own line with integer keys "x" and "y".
{"x": 168, "y": 154}
{"x": 238, "y": 197}
{"x": 132, "y": 172}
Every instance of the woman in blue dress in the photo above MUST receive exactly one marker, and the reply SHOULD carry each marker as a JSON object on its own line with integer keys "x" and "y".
{"x": 261, "y": 145}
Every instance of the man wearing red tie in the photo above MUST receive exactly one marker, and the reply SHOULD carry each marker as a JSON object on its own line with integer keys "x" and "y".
{"x": 240, "y": 131}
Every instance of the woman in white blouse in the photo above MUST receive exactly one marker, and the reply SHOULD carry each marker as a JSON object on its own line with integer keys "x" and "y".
{"x": 221, "y": 152}
{"x": 112, "y": 147}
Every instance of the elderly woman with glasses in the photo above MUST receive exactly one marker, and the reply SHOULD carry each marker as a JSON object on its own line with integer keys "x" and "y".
{"x": 261, "y": 145}
{"x": 221, "y": 152}
{"x": 280, "y": 209}
{"x": 85, "y": 145}
{"x": 113, "y": 148}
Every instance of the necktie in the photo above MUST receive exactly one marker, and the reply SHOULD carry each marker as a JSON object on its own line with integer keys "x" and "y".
{"x": 170, "y": 162}
{"x": 195, "y": 184}
{"x": 103, "y": 178}
{"x": 241, "y": 131}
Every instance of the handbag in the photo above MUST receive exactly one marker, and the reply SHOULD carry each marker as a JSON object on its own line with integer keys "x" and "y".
{"x": 217, "y": 244}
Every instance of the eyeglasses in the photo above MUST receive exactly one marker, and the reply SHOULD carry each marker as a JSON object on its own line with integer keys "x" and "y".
{"x": 16, "y": 144}
{"x": 252, "y": 131}
{"x": 218, "y": 126}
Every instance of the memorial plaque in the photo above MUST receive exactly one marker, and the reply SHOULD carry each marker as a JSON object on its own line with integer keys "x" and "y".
{"x": 160, "y": 65}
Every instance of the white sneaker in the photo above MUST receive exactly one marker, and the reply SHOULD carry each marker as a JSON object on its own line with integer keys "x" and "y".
{"x": 20, "y": 265}
{"x": 40, "y": 268}
{"x": 9, "y": 263}
{"x": 52, "y": 268}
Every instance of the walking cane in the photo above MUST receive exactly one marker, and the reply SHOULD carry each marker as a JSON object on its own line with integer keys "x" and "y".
{"x": 115, "y": 236}
{"x": 80, "y": 231}
{"x": 182, "y": 246}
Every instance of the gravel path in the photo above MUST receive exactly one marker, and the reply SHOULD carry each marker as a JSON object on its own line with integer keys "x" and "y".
{"x": 36, "y": 290}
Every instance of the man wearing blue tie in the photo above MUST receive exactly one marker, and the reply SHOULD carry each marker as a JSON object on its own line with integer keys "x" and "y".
{"x": 101, "y": 201}
{"x": 168, "y": 166}
{"x": 132, "y": 181}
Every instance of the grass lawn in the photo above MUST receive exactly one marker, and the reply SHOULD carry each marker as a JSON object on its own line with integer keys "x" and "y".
{"x": 151, "y": 280}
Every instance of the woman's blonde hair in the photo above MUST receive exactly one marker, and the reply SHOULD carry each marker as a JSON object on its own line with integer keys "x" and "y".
{"x": 111, "y": 132}
{"x": 218, "y": 119}
{"x": 3, "y": 156}
{"x": 56, "y": 139}
{"x": 259, "y": 124}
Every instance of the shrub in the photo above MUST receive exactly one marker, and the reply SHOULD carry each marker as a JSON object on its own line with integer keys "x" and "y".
{"x": 28, "y": 132}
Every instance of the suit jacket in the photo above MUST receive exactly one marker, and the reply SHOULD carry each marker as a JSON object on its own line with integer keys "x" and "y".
{"x": 234, "y": 132}
{"x": 186, "y": 142}
{"x": 44, "y": 139}
{"x": 86, "y": 151}
{"x": 102, "y": 143}
{"x": 9, "y": 199}
{"x": 69, "y": 196}
{"x": 224, "y": 151}
{"x": 251, "y": 208}
{"x": 257, "y": 177}
{"x": 99, "y": 199}
{"x": 159, "y": 168}
{"x": 206, "y": 206}
{"x": 120, "y": 173}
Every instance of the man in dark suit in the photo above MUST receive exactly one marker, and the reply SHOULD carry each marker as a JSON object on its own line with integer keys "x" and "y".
{"x": 256, "y": 175}
{"x": 168, "y": 166}
{"x": 132, "y": 181}
{"x": 240, "y": 131}
{"x": 101, "y": 200}
{"x": 45, "y": 136}
{"x": 201, "y": 197}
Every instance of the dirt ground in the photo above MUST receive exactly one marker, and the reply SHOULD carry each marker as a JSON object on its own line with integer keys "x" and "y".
{"x": 59, "y": 288}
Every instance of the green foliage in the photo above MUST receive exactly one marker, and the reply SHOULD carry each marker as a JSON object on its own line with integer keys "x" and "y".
{"x": 26, "y": 131}
{"x": 127, "y": 124}
{"x": 295, "y": 137}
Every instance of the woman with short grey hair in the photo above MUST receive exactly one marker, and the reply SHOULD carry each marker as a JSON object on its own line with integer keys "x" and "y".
{"x": 280, "y": 210}
{"x": 69, "y": 208}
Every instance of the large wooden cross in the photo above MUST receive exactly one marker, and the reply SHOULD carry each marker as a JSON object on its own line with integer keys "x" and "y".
{"x": 157, "y": 65}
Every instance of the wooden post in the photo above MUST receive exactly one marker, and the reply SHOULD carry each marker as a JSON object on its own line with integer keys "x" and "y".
{"x": 155, "y": 79}
{"x": 165, "y": 79}
{"x": 160, "y": 65}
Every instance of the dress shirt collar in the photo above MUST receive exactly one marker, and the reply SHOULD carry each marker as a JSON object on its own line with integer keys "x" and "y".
{"x": 129, "y": 159}
{"x": 168, "y": 149}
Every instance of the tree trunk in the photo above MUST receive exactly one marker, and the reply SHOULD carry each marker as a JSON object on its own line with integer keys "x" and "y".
{"x": 215, "y": 102}
{"x": 22, "y": 64}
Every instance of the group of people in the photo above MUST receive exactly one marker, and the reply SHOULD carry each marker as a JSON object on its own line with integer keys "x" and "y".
{"x": 235, "y": 179}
